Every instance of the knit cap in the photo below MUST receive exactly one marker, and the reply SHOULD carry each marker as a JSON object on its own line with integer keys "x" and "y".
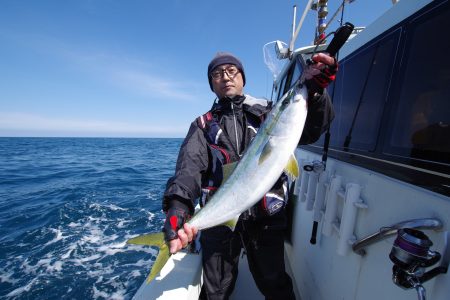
{"x": 223, "y": 58}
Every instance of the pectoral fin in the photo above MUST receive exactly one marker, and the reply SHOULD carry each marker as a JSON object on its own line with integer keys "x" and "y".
{"x": 157, "y": 240}
{"x": 291, "y": 168}
{"x": 231, "y": 223}
{"x": 265, "y": 152}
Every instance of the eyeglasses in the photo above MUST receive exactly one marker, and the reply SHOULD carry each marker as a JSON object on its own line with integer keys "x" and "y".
{"x": 231, "y": 71}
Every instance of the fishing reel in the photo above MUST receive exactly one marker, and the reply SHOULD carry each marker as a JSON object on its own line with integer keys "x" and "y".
{"x": 411, "y": 254}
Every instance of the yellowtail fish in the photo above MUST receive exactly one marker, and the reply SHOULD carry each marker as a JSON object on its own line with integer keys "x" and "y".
{"x": 270, "y": 152}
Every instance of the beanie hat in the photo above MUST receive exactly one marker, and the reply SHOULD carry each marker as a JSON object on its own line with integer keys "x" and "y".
{"x": 222, "y": 58}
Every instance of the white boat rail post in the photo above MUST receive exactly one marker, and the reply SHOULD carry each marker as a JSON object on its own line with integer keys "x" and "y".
{"x": 297, "y": 183}
{"x": 315, "y": 170}
{"x": 329, "y": 218}
{"x": 304, "y": 182}
{"x": 311, "y": 192}
{"x": 352, "y": 202}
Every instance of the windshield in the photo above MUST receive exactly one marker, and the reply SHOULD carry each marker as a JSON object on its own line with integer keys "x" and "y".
{"x": 274, "y": 64}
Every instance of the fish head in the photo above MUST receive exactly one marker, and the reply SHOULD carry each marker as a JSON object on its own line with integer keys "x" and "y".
{"x": 293, "y": 101}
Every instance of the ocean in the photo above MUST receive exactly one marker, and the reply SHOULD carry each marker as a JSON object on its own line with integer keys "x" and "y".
{"x": 67, "y": 208}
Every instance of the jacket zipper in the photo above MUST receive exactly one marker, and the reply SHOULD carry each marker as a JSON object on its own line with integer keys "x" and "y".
{"x": 249, "y": 211}
{"x": 235, "y": 131}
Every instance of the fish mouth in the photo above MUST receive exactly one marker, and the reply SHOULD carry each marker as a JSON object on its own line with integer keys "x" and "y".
{"x": 299, "y": 95}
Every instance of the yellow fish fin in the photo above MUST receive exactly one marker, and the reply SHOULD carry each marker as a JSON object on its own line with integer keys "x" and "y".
{"x": 161, "y": 259}
{"x": 291, "y": 168}
{"x": 152, "y": 239}
{"x": 157, "y": 240}
{"x": 231, "y": 223}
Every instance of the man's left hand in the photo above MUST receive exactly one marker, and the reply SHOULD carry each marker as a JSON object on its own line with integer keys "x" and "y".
{"x": 321, "y": 72}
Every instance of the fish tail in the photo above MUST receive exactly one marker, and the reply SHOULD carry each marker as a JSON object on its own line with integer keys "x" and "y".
{"x": 157, "y": 240}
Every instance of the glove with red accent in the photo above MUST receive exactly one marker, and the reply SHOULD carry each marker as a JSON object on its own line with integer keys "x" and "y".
{"x": 321, "y": 73}
{"x": 176, "y": 217}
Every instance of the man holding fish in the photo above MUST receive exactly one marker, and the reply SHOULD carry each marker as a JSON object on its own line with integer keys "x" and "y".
{"x": 229, "y": 133}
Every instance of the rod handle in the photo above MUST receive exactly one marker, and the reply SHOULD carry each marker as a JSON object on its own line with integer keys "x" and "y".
{"x": 340, "y": 37}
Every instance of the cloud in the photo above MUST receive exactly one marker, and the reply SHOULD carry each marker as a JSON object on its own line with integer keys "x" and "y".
{"x": 134, "y": 75}
{"x": 151, "y": 85}
{"x": 23, "y": 124}
{"x": 119, "y": 70}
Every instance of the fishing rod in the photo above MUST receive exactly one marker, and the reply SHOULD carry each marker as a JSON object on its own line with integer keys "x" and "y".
{"x": 322, "y": 8}
{"x": 341, "y": 35}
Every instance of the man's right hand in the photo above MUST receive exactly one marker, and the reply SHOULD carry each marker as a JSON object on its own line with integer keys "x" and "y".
{"x": 175, "y": 234}
{"x": 185, "y": 236}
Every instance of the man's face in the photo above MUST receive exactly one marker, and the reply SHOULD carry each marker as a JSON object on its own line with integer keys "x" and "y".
{"x": 227, "y": 81}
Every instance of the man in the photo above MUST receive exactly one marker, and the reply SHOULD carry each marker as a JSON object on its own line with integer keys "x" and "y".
{"x": 220, "y": 137}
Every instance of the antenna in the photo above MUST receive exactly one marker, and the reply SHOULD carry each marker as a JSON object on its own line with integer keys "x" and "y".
{"x": 293, "y": 22}
{"x": 300, "y": 23}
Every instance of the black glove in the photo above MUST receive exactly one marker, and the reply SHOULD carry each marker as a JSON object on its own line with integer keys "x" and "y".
{"x": 177, "y": 215}
{"x": 319, "y": 77}
{"x": 328, "y": 74}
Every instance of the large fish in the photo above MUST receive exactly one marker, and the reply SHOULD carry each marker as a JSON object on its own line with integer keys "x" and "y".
{"x": 270, "y": 152}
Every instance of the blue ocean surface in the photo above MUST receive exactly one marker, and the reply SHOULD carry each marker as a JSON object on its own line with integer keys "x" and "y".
{"x": 67, "y": 208}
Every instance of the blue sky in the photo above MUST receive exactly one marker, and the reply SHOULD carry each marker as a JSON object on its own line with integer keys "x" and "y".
{"x": 112, "y": 68}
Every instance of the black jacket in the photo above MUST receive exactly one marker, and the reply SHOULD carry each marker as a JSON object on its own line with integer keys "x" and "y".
{"x": 234, "y": 116}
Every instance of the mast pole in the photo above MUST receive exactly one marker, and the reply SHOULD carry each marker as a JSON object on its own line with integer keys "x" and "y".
{"x": 322, "y": 12}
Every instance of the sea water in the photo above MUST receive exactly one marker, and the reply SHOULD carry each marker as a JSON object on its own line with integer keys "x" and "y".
{"x": 67, "y": 208}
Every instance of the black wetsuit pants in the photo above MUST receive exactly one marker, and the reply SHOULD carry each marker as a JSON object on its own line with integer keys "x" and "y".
{"x": 265, "y": 254}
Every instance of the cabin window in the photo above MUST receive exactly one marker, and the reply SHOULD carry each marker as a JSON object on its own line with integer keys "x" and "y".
{"x": 421, "y": 121}
{"x": 296, "y": 74}
{"x": 281, "y": 87}
{"x": 361, "y": 89}
{"x": 290, "y": 78}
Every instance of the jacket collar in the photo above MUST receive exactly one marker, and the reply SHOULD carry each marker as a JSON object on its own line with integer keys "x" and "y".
{"x": 246, "y": 103}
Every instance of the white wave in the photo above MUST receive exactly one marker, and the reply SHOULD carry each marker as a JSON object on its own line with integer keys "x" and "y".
{"x": 74, "y": 225}
{"x": 7, "y": 277}
{"x": 142, "y": 263}
{"x": 99, "y": 272}
{"x": 22, "y": 289}
{"x": 110, "y": 238}
{"x": 99, "y": 294}
{"x": 69, "y": 251}
{"x": 27, "y": 268}
{"x": 95, "y": 220}
{"x": 58, "y": 236}
{"x": 115, "y": 207}
{"x": 152, "y": 196}
{"x": 135, "y": 273}
{"x": 102, "y": 207}
{"x": 119, "y": 294}
{"x": 113, "y": 249}
{"x": 122, "y": 223}
{"x": 95, "y": 235}
{"x": 81, "y": 261}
